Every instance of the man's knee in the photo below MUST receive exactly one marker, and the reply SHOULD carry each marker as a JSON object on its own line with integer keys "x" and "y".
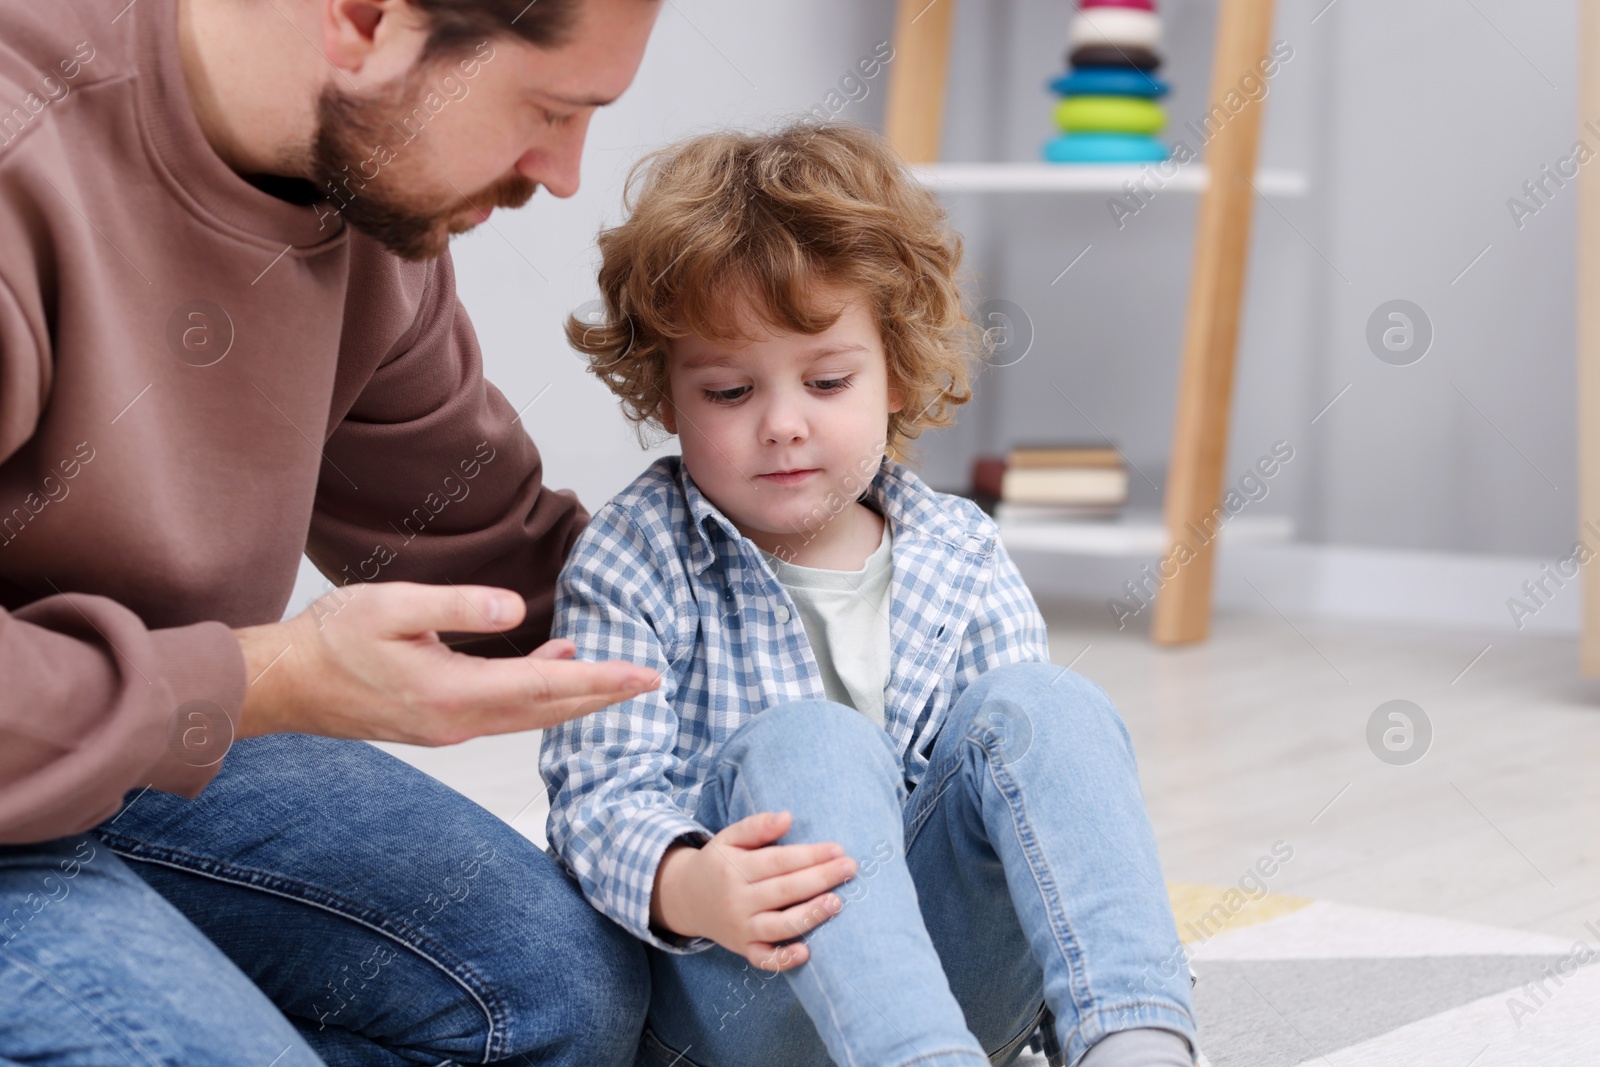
{"x": 596, "y": 984}
{"x": 540, "y": 977}
{"x": 602, "y": 1000}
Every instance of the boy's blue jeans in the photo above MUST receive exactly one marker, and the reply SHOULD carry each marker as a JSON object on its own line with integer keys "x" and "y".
{"x": 320, "y": 902}
{"x": 1022, "y": 871}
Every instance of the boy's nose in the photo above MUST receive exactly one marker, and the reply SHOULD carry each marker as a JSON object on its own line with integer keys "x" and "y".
{"x": 782, "y": 424}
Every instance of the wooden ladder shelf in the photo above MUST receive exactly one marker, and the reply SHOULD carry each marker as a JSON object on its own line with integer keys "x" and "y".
{"x": 913, "y": 124}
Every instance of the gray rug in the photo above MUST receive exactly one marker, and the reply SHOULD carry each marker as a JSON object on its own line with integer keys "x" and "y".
{"x": 1278, "y": 1013}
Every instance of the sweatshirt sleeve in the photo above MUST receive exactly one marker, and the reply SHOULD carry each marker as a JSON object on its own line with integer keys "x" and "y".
{"x": 612, "y": 812}
{"x": 95, "y": 704}
{"x": 431, "y": 477}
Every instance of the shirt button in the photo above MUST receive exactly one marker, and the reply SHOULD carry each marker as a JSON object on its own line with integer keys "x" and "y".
{"x": 783, "y": 614}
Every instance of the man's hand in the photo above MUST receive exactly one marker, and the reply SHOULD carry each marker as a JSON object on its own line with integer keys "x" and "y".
{"x": 366, "y": 662}
{"x": 749, "y": 895}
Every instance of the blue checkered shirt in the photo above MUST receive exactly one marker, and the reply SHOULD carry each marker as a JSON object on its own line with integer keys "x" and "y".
{"x": 660, "y": 577}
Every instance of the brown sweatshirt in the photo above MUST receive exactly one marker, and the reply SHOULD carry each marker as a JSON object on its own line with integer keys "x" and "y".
{"x": 198, "y": 381}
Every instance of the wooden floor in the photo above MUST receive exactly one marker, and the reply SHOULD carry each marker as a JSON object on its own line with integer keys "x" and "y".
{"x": 1260, "y": 736}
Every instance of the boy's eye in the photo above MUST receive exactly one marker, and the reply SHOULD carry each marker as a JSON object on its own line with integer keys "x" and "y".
{"x": 552, "y": 119}
{"x": 726, "y": 396}
{"x": 832, "y": 385}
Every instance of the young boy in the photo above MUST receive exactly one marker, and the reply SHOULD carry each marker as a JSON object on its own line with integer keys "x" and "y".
{"x": 861, "y": 769}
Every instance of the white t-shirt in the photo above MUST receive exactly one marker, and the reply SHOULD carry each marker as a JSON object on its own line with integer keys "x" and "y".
{"x": 846, "y": 618}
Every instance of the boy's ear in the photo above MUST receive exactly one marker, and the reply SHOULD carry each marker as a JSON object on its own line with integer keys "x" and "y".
{"x": 668, "y": 416}
{"x": 896, "y": 399}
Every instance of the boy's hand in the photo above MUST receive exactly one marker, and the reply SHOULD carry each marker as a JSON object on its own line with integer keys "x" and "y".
{"x": 749, "y": 895}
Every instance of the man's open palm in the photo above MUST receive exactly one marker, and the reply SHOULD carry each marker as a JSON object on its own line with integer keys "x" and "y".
{"x": 367, "y": 662}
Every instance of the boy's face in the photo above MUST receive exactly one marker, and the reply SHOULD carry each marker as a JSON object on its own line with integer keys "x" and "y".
{"x": 771, "y": 427}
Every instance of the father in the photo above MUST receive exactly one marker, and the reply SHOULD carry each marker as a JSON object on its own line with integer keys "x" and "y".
{"x": 229, "y": 332}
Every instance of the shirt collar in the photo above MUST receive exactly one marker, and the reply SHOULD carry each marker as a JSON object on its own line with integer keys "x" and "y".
{"x": 911, "y": 508}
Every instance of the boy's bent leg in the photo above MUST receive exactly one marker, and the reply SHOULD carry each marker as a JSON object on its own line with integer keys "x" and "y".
{"x": 391, "y": 918}
{"x": 97, "y": 970}
{"x": 872, "y": 988}
{"x": 965, "y": 902}
{"x": 1032, "y": 793}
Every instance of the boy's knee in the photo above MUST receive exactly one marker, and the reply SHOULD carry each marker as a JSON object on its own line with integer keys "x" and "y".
{"x": 1020, "y": 704}
{"x": 821, "y": 732}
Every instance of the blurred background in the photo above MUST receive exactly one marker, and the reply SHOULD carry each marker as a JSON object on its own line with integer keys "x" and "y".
{"x": 1427, "y": 493}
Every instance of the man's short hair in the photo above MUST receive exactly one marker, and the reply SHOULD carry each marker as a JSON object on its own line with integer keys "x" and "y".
{"x": 768, "y": 219}
{"x": 457, "y": 24}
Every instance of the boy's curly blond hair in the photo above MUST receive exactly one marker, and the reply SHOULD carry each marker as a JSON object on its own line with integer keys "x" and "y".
{"x": 774, "y": 219}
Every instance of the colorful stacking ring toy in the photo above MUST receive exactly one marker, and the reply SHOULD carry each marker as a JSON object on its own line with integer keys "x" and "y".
{"x": 1107, "y": 55}
{"x": 1104, "y": 148}
{"x": 1109, "y": 114}
{"x": 1120, "y": 26}
{"x": 1108, "y": 81}
{"x": 1108, "y": 111}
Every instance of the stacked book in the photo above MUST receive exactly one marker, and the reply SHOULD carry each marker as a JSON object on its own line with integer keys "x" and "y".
{"x": 1052, "y": 482}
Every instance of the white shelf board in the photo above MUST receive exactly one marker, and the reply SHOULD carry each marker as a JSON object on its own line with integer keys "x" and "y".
{"x": 1090, "y": 178}
{"x": 1131, "y": 534}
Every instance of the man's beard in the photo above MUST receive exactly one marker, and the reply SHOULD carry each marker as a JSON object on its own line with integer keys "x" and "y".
{"x": 355, "y": 135}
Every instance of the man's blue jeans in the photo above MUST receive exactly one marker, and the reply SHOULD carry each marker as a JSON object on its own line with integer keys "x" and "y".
{"x": 1021, "y": 872}
{"x": 320, "y": 902}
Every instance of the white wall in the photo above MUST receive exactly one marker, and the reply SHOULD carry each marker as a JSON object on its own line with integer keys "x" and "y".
{"x": 1438, "y": 113}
